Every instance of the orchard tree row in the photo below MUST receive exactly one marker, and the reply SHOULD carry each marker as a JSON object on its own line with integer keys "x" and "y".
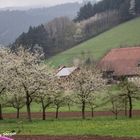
{"x": 25, "y": 78}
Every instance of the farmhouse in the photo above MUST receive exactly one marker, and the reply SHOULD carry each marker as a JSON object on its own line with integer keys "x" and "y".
{"x": 121, "y": 62}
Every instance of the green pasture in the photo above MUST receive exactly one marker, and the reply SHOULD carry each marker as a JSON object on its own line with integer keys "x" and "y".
{"x": 126, "y": 34}
{"x": 103, "y": 126}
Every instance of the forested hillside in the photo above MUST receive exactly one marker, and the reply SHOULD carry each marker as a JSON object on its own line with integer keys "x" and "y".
{"x": 63, "y": 33}
{"x": 14, "y": 22}
{"x": 126, "y": 9}
{"x": 124, "y": 35}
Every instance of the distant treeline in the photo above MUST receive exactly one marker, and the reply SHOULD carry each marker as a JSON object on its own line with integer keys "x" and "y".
{"x": 14, "y": 22}
{"x": 53, "y": 37}
{"x": 126, "y": 9}
{"x": 92, "y": 19}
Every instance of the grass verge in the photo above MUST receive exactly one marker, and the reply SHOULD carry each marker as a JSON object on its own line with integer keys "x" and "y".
{"x": 102, "y": 126}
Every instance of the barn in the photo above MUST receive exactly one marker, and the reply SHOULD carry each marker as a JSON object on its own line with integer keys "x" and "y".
{"x": 121, "y": 62}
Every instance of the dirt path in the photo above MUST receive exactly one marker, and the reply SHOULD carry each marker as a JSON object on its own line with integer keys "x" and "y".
{"x": 69, "y": 138}
{"x": 67, "y": 114}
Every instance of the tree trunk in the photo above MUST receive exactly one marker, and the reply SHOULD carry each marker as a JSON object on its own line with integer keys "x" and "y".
{"x": 130, "y": 106}
{"x": 43, "y": 109}
{"x": 69, "y": 106}
{"x": 83, "y": 110}
{"x": 57, "y": 109}
{"x": 1, "y": 117}
{"x": 44, "y": 113}
{"x": 92, "y": 112}
{"x": 116, "y": 115}
{"x": 28, "y": 112}
{"x": 17, "y": 113}
{"x": 28, "y": 107}
{"x": 125, "y": 113}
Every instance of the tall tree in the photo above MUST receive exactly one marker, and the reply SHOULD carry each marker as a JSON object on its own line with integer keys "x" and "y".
{"x": 114, "y": 99}
{"x": 85, "y": 83}
{"x": 16, "y": 100}
{"x": 138, "y": 7}
{"x": 61, "y": 33}
{"x": 132, "y": 9}
{"x": 44, "y": 95}
{"x": 124, "y": 11}
{"x": 35, "y": 35}
{"x": 5, "y": 57}
{"x": 25, "y": 75}
{"x": 90, "y": 10}
{"x": 60, "y": 97}
{"x": 85, "y": 12}
{"x": 130, "y": 92}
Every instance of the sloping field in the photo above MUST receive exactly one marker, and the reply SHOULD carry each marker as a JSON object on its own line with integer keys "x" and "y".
{"x": 126, "y": 34}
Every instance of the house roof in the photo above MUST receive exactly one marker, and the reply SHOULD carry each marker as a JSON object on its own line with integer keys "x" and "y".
{"x": 66, "y": 71}
{"x": 122, "y": 61}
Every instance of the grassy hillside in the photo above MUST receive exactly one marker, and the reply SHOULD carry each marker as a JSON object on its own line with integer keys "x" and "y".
{"x": 126, "y": 34}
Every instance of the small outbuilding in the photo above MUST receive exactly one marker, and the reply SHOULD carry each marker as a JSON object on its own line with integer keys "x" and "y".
{"x": 65, "y": 72}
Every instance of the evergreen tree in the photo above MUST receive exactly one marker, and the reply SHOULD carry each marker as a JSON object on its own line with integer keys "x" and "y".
{"x": 35, "y": 35}
{"x": 89, "y": 9}
{"x": 124, "y": 11}
{"x": 85, "y": 12}
{"x": 138, "y": 7}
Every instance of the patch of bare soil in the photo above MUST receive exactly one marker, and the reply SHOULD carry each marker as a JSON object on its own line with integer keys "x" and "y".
{"x": 69, "y": 138}
{"x": 67, "y": 114}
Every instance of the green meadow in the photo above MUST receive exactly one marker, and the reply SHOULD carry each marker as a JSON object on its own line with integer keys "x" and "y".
{"x": 103, "y": 126}
{"x": 126, "y": 34}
